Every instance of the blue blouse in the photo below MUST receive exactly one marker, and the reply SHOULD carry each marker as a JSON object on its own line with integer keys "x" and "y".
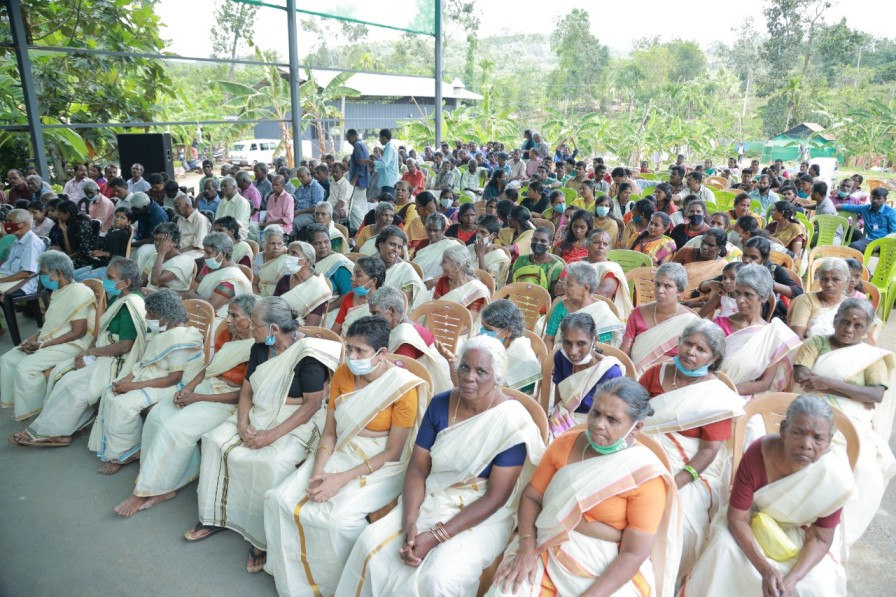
{"x": 563, "y": 369}
{"x": 436, "y": 419}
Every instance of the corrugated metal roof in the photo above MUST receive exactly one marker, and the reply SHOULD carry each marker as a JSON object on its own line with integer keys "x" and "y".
{"x": 389, "y": 85}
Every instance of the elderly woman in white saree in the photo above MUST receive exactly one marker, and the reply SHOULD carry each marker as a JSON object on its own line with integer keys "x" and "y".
{"x": 612, "y": 282}
{"x": 169, "y": 451}
{"x": 365, "y": 241}
{"x": 392, "y": 244}
{"x": 69, "y": 325}
{"x": 307, "y": 291}
{"x": 792, "y": 488}
{"x": 693, "y": 430}
{"x": 581, "y": 286}
{"x": 219, "y": 279}
{"x": 314, "y": 517}
{"x": 165, "y": 266}
{"x": 429, "y": 255}
{"x": 271, "y": 263}
{"x": 652, "y": 330}
{"x": 405, "y": 337}
{"x": 812, "y": 313}
{"x": 600, "y": 516}
{"x": 174, "y": 351}
{"x": 459, "y": 283}
{"x": 859, "y": 380}
{"x": 759, "y": 354}
{"x": 486, "y": 254}
{"x": 242, "y": 251}
{"x": 472, "y": 456}
{"x": 335, "y": 267}
{"x": 276, "y": 426}
{"x": 76, "y": 384}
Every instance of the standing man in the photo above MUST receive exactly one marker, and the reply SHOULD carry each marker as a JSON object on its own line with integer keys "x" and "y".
{"x": 136, "y": 184}
{"x": 75, "y": 187}
{"x": 387, "y": 167}
{"x": 358, "y": 178}
{"x": 234, "y": 205}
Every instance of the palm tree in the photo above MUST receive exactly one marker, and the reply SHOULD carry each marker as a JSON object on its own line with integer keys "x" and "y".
{"x": 318, "y": 103}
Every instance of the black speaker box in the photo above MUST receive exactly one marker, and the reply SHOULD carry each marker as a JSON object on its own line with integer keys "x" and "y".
{"x": 153, "y": 150}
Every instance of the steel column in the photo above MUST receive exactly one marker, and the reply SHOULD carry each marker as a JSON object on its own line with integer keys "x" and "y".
{"x": 295, "y": 98}
{"x": 437, "y": 114}
{"x": 35, "y": 128}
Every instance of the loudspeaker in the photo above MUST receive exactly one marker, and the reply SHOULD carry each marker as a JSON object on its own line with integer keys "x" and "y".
{"x": 153, "y": 150}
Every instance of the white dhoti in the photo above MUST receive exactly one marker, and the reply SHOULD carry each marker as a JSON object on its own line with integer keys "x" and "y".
{"x": 22, "y": 380}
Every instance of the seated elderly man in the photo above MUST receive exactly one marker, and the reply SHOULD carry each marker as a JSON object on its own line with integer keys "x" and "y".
{"x": 234, "y": 205}
{"x": 192, "y": 224}
{"x": 280, "y": 207}
{"x": 99, "y": 207}
{"x": 17, "y": 272}
{"x": 38, "y": 186}
{"x": 341, "y": 191}
{"x": 307, "y": 197}
{"x": 409, "y": 338}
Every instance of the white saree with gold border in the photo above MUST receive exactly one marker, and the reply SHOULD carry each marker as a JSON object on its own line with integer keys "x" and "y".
{"x": 650, "y": 347}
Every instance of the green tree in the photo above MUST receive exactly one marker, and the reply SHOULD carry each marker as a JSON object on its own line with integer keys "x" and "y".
{"x": 581, "y": 58}
{"x": 235, "y": 29}
{"x": 318, "y": 103}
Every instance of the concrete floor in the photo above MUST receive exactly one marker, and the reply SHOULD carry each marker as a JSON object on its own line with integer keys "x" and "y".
{"x": 62, "y": 536}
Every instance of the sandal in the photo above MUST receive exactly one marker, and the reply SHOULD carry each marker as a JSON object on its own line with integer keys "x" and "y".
{"x": 47, "y": 443}
{"x": 189, "y": 535}
{"x": 257, "y": 560}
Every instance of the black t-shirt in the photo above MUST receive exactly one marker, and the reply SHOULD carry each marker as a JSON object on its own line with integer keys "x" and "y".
{"x": 680, "y": 234}
{"x": 310, "y": 374}
{"x": 539, "y": 207}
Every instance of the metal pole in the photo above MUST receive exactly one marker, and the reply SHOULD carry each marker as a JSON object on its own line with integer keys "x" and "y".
{"x": 437, "y": 114}
{"x": 294, "y": 97}
{"x": 17, "y": 24}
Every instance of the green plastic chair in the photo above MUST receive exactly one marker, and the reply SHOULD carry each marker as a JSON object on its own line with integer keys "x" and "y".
{"x": 756, "y": 208}
{"x": 649, "y": 176}
{"x": 629, "y": 260}
{"x": 827, "y": 229}
{"x": 884, "y": 277}
{"x": 570, "y": 194}
{"x": 295, "y": 182}
{"x": 810, "y": 229}
{"x": 57, "y": 188}
{"x": 724, "y": 200}
{"x": 664, "y": 176}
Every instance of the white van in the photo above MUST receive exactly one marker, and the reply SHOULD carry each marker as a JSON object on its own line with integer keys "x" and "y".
{"x": 251, "y": 151}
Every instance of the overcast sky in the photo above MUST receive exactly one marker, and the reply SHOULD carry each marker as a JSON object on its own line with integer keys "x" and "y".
{"x": 189, "y": 25}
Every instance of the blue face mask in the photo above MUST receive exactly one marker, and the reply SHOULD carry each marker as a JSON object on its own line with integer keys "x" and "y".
{"x": 361, "y": 290}
{"x": 802, "y": 195}
{"x": 617, "y": 446}
{"x": 559, "y": 208}
{"x": 270, "y": 338}
{"x": 490, "y": 333}
{"x": 701, "y": 372}
{"x": 842, "y": 194}
{"x": 110, "y": 288}
{"x": 637, "y": 219}
{"x": 48, "y": 283}
{"x": 212, "y": 263}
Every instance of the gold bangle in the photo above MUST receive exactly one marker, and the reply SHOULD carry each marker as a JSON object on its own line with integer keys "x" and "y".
{"x": 441, "y": 528}
{"x": 525, "y": 537}
{"x": 434, "y": 534}
{"x": 322, "y": 447}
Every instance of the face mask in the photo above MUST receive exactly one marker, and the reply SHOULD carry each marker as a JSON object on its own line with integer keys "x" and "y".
{"x": 270, "y": 338}
{"x": 489, "y": 333}
{"x": 559, "y": 208}
{"x": 637, "y": 219}
{"x": 616, "y": 446}
{"x": 12, "y": 227}
{"x": 360, "y": 366}
{"x": 212, "y": 263}
{"x": 802, "y": 195}
{"x": 701, "y": 372}
{"x": 842, "y": 194}
{"x": 154, "y": 326}
{"x": 48, "y": 283}
{"x": 361, "y": 290}
{"x": 292, "y": 265}
{"x": 588, "y": 358}
{"x": 539, "y": 249}
{"x": 446, "y": 203}
{"x": 110, "y": 287}
{"x": 92, "y": 198}
{"x": 696, "y": 219}
{"x": 602, "y": 211}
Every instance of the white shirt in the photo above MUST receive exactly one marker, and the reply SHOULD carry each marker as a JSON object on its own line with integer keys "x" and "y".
{"x": 75, "y": 189}
{"x": 193, "y": 229}
{"x": 238, "y": 208}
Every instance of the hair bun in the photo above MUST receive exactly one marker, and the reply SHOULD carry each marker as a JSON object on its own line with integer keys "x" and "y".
{"x": 294, "y": 314}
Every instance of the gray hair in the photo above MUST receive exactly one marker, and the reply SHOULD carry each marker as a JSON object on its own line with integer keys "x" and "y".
{"x": 273, "y": 310}
{"x": 261, "y": 166}
{"x": 758, "y": 278}
{"x": 635, "y": 396}
{"x": 219, "y": 243}
{"x": 127, "y": 270}
{"x": 169, "y": 228}
{"x": 437, "y": 219}
{"x": 168, "y": 305}
{"x": 270, "y": 232}
{"x": 583, "y": 273}
{"x": 494, "y": 349}
{"x": 57, "y": 262}
{"x": 675, "y": 272}
{"x": 243, "y": 176}
{"x": 382, "y": 207}
{"x": 833, "y": 264}
{"x": 504, "y": 315}
{"x": 459, "y": 255}
{"x": 302, "y": 170}
{"x": 862, "y": 305}
{"x": 22, "y": 216}
{"x": 811, "y": 406}
{"x": 139, "y": 199}
{"x": 214, "y": 182}
{"x": 245, "y": 302}
{"x": 326, "y": 206}
{"x": 229, "y": 181}
{"x": 714, "y": 335}
{"x": 388, "y": 297}
{"x": 90, "y": 185}
{"x": 307, "y": 251}
{"x": 35, "y": 179}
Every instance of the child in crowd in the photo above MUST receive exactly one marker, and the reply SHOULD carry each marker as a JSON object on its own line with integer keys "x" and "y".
{"x": 854, "y": 284}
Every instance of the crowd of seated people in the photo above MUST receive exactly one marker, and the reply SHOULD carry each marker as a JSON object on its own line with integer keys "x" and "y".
{"x": 596, "y": 443}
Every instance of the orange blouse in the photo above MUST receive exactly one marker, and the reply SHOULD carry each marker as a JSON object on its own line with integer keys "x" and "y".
{"x": 401, "y": 413}
{"x": 640, "y": 508}
{"x": 237, "y": 375}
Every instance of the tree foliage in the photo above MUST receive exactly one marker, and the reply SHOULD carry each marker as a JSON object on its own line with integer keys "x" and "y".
{"x": 580, "y": 58}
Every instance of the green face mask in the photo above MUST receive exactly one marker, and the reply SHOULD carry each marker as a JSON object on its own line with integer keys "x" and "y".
{"x": 616, "y": 446}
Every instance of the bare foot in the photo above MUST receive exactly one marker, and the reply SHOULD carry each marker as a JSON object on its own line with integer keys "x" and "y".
{"x": 129, "y": 507}
{"x": 256, "y": 561}
{"x": 109, "y": 468}
{"x": 157, "y": 499}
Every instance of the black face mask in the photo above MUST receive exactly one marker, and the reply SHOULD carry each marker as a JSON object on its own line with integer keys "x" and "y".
{"x": 539, "y": 249}
{"x": 696, "y": 219}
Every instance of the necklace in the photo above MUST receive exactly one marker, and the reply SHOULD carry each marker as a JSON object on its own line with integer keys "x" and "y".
{"x": 674, "y": 378}
{"x": 457, "y": 404}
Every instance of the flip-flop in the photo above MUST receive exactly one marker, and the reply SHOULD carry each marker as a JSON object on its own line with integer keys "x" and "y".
{"x": 199, "y": 527}
{"x": 37, "y": 444}
{"x": 255, "y": 567}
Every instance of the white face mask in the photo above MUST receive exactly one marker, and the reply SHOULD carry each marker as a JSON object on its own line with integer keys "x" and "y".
{"x": 588, "y": 358}
{"x": 292, "y": 264}
{"x": 155, "y": 327}
{"x": 361, "y": 366}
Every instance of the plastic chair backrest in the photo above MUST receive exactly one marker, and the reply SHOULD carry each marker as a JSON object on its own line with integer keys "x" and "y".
{"x": 772, "y": 407}
{"x": 885, "y": 272}
{"x": 201, "y": 316}
{"x": 417, "y": 268}
{"x": 353, "y": 257}
{"x": 544, "y": 222}
{"x": 530, "y": 299}
{"x": 724, "y": 200}
{"x": 535, "y": 411}
{"x": 782, "y": 259}
{"x": 832, "y": 251}
{"x": 642, "y": 279}
{"x": 487, "y": 279}
{"x": 323, "y": 334}
{"x": 545, "y": 358}
{"x": 414, "y": 367}
{"x": 654, "y": 446}
{"x": 247, "y": 271}
{"x": 827, "y": 229}
{"x": 612, "y": 351}
{"x": 803, "y": 219}
{"x": 254, "y": 246}
{"x": 446, "y": 320}
{"x": 629, "y": 260}
{"x": 570, "y": 194}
